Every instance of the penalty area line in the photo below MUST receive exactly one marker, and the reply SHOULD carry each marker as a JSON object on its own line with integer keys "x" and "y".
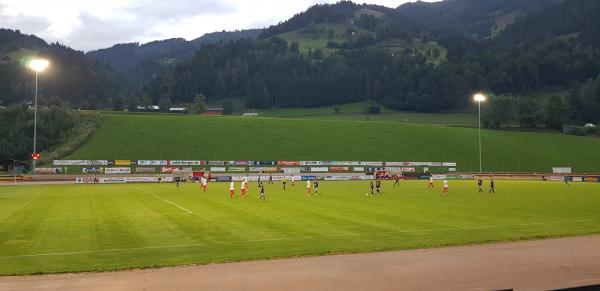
{"x": 165, "y": 200}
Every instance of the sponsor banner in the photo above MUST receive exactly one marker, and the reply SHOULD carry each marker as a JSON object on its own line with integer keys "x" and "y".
{"x": 224, "y": 179}
{"x": 267, "y": 163}
{"x": 291, "y": 170}
{"x": 400, "y": 169}
{"x": 264, "y": 169}
{"x": 577, "y": 179}
{"x": 84, "y": 180}
{"x": 218, "y": 169}
{"x": 117, "y": 170}
{"x": 375, "y": 164}
{"x": 112, "y": 180}
{"x": 451, "y": 169}
{"x": 122, "y": 162}
{"x": 555, "y": 178}
{"x": 80, "y": 162}
{"x": 452, "y": 177}
{"x": 561, "y": 170}
{"x": 438, "y": 177}
{"x": 184, "y": 163}
{"x": 591, "y": 179}
{"x": 314, "y": 163}
{"x": 216, "y": 163}
{"x": 304, "y": 178}
{"x": 398, "y": 164}
{"x": 168, "y": 169}
{"x": 424, "y": 177}
{"x": 425, "y": 169}
{"x": 435, "y": 164}
{"x": 238, "y": 163}
{"x": 367, "y": 177}
{"x": 339, "y": 169}
{"x": 319, "y": 169}
{"x": 358, "y": 169}
{"x": 425, "y": 164}
{"x": 166, "y": 179}
{"x": 288, "y": 163}
{"x": 236, "y": 169}
{"x": 91, "y": 170}
{"x": 145, "y": 170}
{"x": 467, "y": 177}
{"x": 453, "y": 165}
{"x": 152, "y": 163}
{"x": 141, "y": 179}
{"x": 48, "y": 171}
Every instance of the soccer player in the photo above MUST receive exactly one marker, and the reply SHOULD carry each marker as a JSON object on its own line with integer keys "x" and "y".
{"x": 492, "y": 187}
{"x": 244, "y": 188}
{"x": 283, "y": 181}
{"x": 293, "y": 181}
{"x": 566, "y": 178}
{"x": 231, "y": 190}
{"x": 480, "y": 184}
{"x": 262, "y": 193}
{"x": 259, "y": 181}
{"x": 371, "y": 186}
{"x": 378, "y": 186}
{"x": 316, "y": 186}
{"x": 177, "y": 180}
{"x": 446, "y": 186}
{"x": 431, "y": 186}
{"x": 308, "y": 189}
{"x": 204, "y": 184}
{"x": 397, "y": 183}
{"x": 270, "y": 179}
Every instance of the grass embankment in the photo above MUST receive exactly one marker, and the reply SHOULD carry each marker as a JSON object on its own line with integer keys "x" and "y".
{"x": 237, "y": 138}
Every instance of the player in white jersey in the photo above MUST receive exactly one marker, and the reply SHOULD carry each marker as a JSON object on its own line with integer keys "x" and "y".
{"x": 445, "y": 186}
{"x": 431, "y": 186}
{"x": 231, "y": 190}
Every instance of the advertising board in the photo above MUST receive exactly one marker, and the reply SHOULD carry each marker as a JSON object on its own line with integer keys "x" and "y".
{"x": 148, "y": 170}
{"x": 319, "y": 169}
{"x": 236, "y": 169}
{"x": 152, "y": 163}
{"x": 121, "y": 170}
{"x": 122, "y": 162}
{"x": 288, "y": 163}
{"x": 358, "y": 169}
{"x": 91, "y": 170}
{"x": 184, "y": 163}
{"x": 218, "y": 169}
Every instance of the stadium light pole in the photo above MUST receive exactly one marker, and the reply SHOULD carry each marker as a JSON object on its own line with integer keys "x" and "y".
{"x": 38, "y": 65}
{"x": 479, "y": 98}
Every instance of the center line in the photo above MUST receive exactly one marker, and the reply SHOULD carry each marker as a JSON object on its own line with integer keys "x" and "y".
{"x": 165, "y": 200}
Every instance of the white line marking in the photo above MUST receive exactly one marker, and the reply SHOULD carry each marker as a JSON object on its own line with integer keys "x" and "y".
{"x": 165, "y": 200}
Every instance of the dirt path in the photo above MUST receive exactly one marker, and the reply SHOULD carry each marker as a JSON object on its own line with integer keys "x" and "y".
{"x": 534, "y": 265}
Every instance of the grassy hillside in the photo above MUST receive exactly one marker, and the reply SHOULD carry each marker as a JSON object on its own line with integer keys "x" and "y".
{"x": 355, "y": 112}
{"x": 230, "y": 138}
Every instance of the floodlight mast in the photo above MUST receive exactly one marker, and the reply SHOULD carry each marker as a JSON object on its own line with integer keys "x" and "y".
{"x": 479, "y": 98}
{"x": 37, "y": 65}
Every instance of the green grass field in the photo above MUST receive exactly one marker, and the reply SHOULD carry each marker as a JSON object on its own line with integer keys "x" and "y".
{"x": 71, "y": 228}
{"x": 355, "y": 112}
{"x": 237, "y": 138}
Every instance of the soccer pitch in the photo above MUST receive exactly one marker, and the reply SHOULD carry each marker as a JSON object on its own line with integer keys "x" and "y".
{"x": 72, "y": 228}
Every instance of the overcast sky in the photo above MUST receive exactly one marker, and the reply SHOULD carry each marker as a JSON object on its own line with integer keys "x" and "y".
{"x": 94, "y": 24}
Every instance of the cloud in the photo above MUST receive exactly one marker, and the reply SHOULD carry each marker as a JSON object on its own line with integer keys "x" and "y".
{"x": 16, "y": 20}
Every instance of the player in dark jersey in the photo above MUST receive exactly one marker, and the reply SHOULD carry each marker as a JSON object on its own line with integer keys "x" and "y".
{"x": 270, "y": 179}
{"x": 316, "y": 186}
{"x": 378, "y": 186}
{"x": 371, "y": 186}
{"x": 397, "y": 183}
{"x": 177, "y": 180}
{"x": 492, "y": 187}
{"x": 262, "y": 193}
{"x": 480, "y": 184}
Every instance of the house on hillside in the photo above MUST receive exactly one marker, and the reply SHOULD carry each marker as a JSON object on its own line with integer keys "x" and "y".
{"x": 214, "y": 111}
{"x": 177, "y": 110}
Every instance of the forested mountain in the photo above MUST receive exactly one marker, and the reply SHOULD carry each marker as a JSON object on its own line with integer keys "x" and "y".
{"x": 129, "y": 55}
{"x": 72, "y": 77}
{"x": 421, "y": 56}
